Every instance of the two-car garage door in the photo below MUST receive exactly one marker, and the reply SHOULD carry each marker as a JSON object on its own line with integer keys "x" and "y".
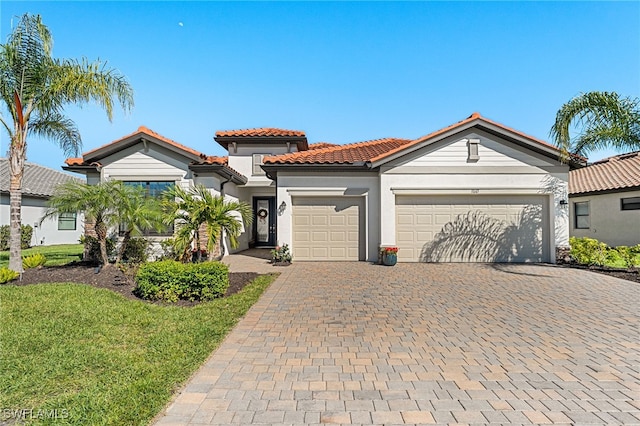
{"x": 473, "y": 228}
{"x": 328, "y": 228}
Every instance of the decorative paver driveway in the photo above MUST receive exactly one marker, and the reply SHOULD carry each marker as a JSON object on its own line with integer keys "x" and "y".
{"x": 354, "y": 343}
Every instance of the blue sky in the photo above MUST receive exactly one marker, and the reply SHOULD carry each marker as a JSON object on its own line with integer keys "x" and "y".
{"x": 341, "y": 71}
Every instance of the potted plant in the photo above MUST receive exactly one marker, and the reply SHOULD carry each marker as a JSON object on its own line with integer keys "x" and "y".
{"x": 281, "y": 256}
{"x": 389, "y": 255}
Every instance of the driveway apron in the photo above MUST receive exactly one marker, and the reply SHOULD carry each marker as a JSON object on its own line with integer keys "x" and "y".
{"x": 355, "y": 343}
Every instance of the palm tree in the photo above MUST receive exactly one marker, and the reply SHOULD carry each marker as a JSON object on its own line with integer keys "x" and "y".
{"x": 35, "y": 87}
{"x": 197, "y": 208}
{"x": 605, "y": 119}
{"x": 98, "y": 202}
{"x": 136, "y": 213}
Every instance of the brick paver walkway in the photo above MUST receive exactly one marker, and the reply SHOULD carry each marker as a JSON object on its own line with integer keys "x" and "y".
{"x": 354, "y": 343}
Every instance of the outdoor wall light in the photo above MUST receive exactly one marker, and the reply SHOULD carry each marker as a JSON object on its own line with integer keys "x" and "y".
{"x": 563, "y": 202}
{"x": 282, "y": 207}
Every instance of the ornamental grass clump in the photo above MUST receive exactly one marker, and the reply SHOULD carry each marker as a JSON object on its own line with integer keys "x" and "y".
{"x": 34, "y": 261}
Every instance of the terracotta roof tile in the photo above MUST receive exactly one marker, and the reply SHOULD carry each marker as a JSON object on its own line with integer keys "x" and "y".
{"x": 146, "y": 131}
{"x": 613, "y": 173}
{"x": 261, "y": 132}
{"x": 319, "y": 145}
{"x": 340, "y": 154}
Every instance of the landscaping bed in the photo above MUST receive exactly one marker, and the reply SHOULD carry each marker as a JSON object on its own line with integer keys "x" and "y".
{"x": 631, "y": 274}
{"x": 111, "y": 278}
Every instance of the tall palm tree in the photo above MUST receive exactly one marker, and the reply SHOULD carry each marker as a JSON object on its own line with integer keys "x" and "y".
{"x": 98, "y": 202}
{"x": 136, "y": 213}
{"x": 34, "y": 88}
{"x": 196, "y": 208}
{"x": 605, "y": 120}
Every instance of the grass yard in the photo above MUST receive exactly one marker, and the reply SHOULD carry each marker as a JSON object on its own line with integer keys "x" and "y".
{"x": 56, "y": 255}
{"x": 100, "y": 359}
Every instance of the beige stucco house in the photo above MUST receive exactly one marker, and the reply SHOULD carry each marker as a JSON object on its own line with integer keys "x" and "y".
{"x": 474, "y": 191}
{"x": 605, "y": 200}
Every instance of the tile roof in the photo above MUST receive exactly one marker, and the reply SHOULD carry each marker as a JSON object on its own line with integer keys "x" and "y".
{"x": 340, "y": 154}
{"x": 261, "y": 132}
{"x": 319, "y": 145}
{"x": 614, "y": 173}
{"x": 470, "y": 119}
{"x": 38, "y": 180}
{"x": 143, "y": 130}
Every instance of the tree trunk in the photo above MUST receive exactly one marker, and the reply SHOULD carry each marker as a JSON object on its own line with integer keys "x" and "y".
{"x": 101, "y": 234}
{"x": 125, "y": 240}
{"x": 17, "y": 158}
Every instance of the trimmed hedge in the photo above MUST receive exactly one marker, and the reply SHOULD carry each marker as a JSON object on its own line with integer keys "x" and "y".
{"x": 171, "y": 281}
{"x": 589, "y": 251}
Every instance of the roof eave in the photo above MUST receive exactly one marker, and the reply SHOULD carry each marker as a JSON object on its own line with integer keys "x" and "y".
{"x": 300, "y": 141}
{"x": 604, "y": 191}
{"x": 221, "y": 170}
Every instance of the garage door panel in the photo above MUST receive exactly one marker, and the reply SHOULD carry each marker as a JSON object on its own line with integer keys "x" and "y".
{"x": 450, "y": 228}
{"x": 333, "y": 231}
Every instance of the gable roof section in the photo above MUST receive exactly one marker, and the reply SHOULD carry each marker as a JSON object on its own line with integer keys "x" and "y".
{"x": 617, "y": 173}
{"x": 38, "y": 181}
{"x": 354, "y": 153}
{"x": 143, "y": 133}
{"x": 477, "y": 121}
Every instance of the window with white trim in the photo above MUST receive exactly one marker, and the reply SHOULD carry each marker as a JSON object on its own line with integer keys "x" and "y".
{"x": 67, "y": 222}
{"x": 581, "y": 215}
{"x": 257, "y": 162}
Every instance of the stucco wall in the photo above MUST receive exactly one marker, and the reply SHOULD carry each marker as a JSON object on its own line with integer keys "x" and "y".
{"x": 46, "y": 233}
{"x": 608, "y": 223}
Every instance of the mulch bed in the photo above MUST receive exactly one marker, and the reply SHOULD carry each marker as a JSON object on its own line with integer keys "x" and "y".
{"x": 631, "y": 274}
{"x": 112, "y": 278}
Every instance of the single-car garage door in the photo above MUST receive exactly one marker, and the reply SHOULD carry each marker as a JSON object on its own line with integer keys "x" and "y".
{"x": 328, "y": 228}
{"x": 474, "y": 228}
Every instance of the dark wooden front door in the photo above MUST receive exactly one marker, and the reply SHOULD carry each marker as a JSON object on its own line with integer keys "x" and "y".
{"x": 264, "y": 222}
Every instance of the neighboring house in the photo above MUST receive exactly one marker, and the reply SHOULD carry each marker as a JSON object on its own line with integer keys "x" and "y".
{"x": 474, "y": 191}
{"x": 37, "y": 186}
{"x": 605, "y": 200}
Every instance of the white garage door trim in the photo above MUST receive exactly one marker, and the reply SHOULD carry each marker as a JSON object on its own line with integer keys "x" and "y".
{"x": 473, "y": 228}
{"x": 328, "y": 228}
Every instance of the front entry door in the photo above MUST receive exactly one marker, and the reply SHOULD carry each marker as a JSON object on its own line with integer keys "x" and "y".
{"x": 264, "y": 221}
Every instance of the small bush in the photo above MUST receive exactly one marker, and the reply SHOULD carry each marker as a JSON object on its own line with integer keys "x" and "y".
{"x": 170, "y": 281}
{"x": 26, "y": 233}
{"x": 92, "y": 248}
{"x": 7, "y": 275}
{"x": 281, "y": 254}
{"x": 629, "y": 255}
{"x": 33, "y": 261}
{"x": 588, "y": 251}
{"x": 136, "y": 251}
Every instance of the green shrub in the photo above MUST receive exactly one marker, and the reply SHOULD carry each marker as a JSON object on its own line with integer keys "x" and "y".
{"x": 588, "y": 251}
{"x": 92, "y": 248}
{"x": 26, "y": 233}
{"x": 33, "y": 261}
{"x": 136, "y": 251}
{"x": 170, "y": 281}
{"x": 7, "y": 275}
{"x": 629, "y": 255}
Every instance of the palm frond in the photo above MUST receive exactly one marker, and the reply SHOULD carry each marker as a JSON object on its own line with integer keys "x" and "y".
{"x": 604, "y": 120}
{"x": 60, "y": 129}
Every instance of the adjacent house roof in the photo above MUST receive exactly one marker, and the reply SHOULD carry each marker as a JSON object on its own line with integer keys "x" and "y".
{"x": 617, "y": 173}
{"x": 340, "y": 154}
{"x": 38, "y": 181}
{"x": 319, "y": 145}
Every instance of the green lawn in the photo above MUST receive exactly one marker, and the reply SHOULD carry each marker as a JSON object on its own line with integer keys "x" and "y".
{"x": 101, "y": 359}
{"x": 56, "y": 255}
